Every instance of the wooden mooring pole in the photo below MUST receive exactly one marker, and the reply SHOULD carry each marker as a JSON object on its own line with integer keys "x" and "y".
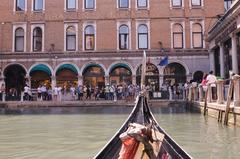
{"x": 227, "y": 109}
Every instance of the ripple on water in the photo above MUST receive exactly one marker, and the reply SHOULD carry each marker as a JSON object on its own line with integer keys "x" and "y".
{"x": 82, "y": 136}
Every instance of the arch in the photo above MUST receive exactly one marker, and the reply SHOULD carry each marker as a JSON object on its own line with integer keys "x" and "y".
{"x": 40, "y": 74}
{"x": 15, "y": 80}
{"x": 66, "y": 75}
{"x": 174, "y": 73}
{"x": 198, "y": 76}
{"x": 91, "y": 64}
{"x": 41, "y": 67}
{"x": 151, "y": 78}
{"x": 120, "y": 73}
{"x": 176, "y": 61}
{"x": 120, "y": 63}
{"x": 70, "y": 66}
{"x": 6, "y": 66}
{"x": 94, "y": 75}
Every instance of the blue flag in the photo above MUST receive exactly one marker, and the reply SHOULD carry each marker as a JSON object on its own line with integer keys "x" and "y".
{"x": 164, "y": 61}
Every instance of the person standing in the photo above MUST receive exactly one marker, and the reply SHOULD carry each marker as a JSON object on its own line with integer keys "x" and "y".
{"x": 2, "y": 90}
{"x": 211, "y": 79}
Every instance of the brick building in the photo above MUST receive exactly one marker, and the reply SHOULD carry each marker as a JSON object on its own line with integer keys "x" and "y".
{"x": 100, "y": 42}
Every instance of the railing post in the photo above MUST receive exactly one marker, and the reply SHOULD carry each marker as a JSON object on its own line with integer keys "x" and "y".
{"x": 22, "y": 96}
{"x": 3, "y": 96}
{"x": 189, "y": 96}
{"x": 220, "y": 97}
{"x": 236, "y": 95}
{"x": 200, "y": 89}
{"x": 195, "y": 93}
{"x": 209, "y": 94}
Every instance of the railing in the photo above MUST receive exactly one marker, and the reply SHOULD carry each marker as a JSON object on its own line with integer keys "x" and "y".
{"x": 226, "y": 96}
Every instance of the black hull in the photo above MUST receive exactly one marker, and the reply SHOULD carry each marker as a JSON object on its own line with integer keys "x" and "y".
{"x": 141, "y": 114}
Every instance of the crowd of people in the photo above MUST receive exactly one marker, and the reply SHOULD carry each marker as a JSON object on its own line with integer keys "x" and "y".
{"x": 109, "y": 92}
{"x": 83, "y": 92}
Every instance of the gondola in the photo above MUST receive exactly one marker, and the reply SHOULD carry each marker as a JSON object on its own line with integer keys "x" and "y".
{"x": 141, "y": 114}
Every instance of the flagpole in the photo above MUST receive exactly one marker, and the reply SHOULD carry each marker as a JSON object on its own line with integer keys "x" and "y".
{"x": 143, "y": 70}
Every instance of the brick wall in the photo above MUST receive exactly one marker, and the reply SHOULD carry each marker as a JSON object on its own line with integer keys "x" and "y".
{"x": 105, "y": 16}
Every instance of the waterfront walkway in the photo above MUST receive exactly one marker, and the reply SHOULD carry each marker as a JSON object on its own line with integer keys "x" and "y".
{"x": 84, "y": 103}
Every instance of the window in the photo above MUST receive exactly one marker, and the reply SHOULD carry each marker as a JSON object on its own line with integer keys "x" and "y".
{"x": 177, "y": 3}
{"x": 70, "y": 4}
{"x": 177, "y": 36}
{"x": 71, "y": 38}
{"x": 89, "y": 37}
{"x": 37, "y": 39}
{"x": 89, "y": 4}
{"x": 123, "y": 3}
{"x": 197, "y": 37}
{"x": 123, "y": 37}
{"x": 38, "y": 5}
{"x": 19, "y": 40}
{"x": 142, "y": 37}
{"x": 20, "y": 5}
{"x": 196, "y": 2}
{"x": 142, "y": 3}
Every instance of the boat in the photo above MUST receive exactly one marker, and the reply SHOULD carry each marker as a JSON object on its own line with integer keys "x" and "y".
{"x": 142, "y": 114}
{"x": 165, "y": 147}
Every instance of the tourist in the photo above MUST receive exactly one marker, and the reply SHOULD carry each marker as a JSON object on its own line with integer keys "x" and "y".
{"x": 170, "y": 92}
{"x": 26, "y": 95}
{"x": 59, "y": 93}
{"x": 72, "y": 92}
{"x": 39, "y": 93}
{"x": 107, "y": 92}
{"x": 211, "y": 79}
{"x": 44, "y": 92}
{"x": 55, "y": 93}
{"x": 2, "y": 92}
{"x": 88, "y": 93}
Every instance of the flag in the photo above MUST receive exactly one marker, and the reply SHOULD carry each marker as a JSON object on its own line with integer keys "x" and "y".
{"x": 163, "y": 61}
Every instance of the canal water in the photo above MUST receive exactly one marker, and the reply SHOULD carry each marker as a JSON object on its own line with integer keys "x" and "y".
{"x": 82, "y": 135}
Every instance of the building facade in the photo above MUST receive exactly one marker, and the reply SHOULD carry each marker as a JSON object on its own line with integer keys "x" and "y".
{"x": 224, "y": 43}
{"x": 101, "y": 42}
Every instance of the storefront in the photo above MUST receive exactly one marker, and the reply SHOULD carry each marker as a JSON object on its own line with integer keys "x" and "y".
{"x": 67, "y": 75}
{"x": 120, "y": 74}
{"x": 40, "y": 75}
{"x": 93, "y": 76}
{"x": 174, "y": 73}
{"x": 152, "y": 76}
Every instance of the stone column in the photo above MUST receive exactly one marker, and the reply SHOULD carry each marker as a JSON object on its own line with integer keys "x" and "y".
{"x": 220, "y": 96}
{"x": 234, "y": 54}
{"x": 134, "y": 81}
{"x": 236, "y": 92}
{"x": 107, "y": 80}
{"x": 53, "y": 82}
{"x": 212, "y": 60}
{"x": 80, "y": 80}
{"x": 222, "y": 71}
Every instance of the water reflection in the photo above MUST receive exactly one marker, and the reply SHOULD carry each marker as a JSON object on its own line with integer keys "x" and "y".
{"x": 81, "y": 136}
